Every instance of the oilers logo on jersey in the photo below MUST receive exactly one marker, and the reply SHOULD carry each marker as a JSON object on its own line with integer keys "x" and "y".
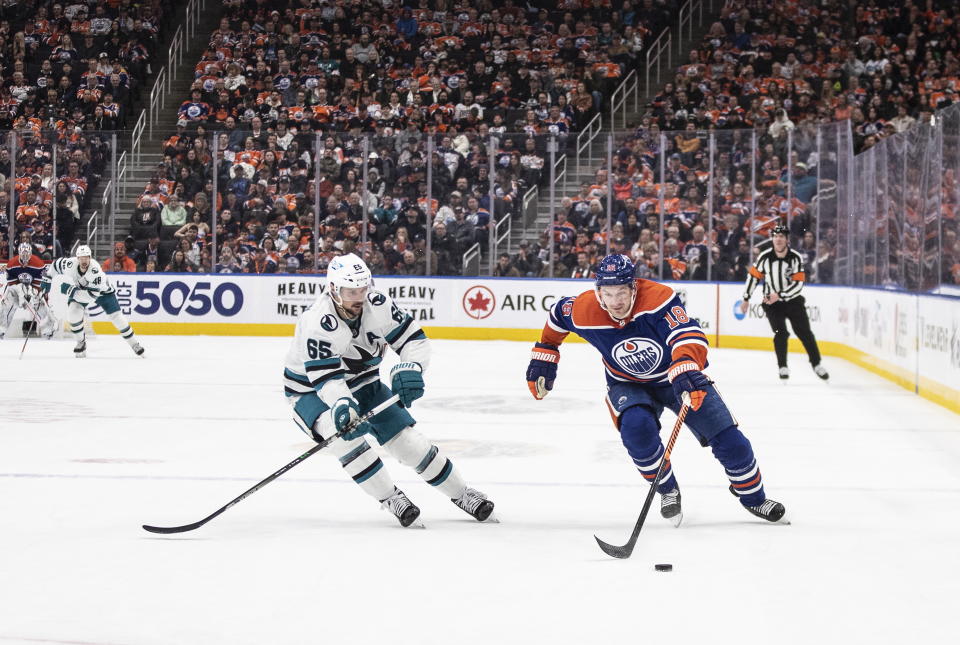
{"x": 638, "y": 356}
{"x": 657, "y": 333}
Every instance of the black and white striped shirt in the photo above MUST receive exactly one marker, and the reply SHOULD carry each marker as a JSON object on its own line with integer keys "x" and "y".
{"x": 784, "y": 276}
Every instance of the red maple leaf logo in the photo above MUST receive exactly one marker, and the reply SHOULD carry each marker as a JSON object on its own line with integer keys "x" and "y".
{"x": 481, "y": 304}
{"x": 478, "y": 302}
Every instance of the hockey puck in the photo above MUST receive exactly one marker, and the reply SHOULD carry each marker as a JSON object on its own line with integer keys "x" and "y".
{"x": 663, "y": 567}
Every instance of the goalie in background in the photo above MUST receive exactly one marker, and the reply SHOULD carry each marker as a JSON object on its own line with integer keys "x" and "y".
{"x": 86, "y": 284}
{"x": 23, "y": 288}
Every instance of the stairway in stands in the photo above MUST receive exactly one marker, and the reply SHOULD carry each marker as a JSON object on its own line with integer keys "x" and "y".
{"x": 597, "y": 152}
{"x": 138, "y": 174}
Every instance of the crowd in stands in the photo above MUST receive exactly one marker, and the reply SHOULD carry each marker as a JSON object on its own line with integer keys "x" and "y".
{"x": 287, "y": 95}
{"x": 69, "y": 74}
{"x": 770, "y": 66}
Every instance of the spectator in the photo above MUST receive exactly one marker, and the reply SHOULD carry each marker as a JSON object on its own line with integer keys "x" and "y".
{"x": 504, "y": 267}
{"x": 173, "y": 213}
{"x": 178, "y": 263}
{"x": 119, "y": 262}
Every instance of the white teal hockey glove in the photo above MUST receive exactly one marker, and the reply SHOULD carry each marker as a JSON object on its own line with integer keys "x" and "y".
{"x": 346, "y": 414}
{"x": 406, "y": 381}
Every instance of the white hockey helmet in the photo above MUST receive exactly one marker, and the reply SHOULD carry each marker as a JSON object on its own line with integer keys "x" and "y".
{"x": 347, "y": 272}
{"x": 25, "y": 250}
{"x": 83, "y": 251}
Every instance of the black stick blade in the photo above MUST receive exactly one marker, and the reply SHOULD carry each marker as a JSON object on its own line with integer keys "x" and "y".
{"x": 621, "y": 552}
{"x": 173, "y": 529}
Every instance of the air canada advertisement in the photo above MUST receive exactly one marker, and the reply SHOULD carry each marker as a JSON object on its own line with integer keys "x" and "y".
{"x": 918, "y": 335}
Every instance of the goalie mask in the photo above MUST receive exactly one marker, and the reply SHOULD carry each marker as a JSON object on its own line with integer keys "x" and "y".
{"x": 347, "y": 272}
{"x": 24, "y": 251}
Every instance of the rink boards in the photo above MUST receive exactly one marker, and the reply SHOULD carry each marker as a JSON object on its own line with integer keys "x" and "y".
{"x": 913, "y": 340}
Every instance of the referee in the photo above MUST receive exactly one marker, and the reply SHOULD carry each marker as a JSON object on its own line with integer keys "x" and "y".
{"x": 781, "y": 270}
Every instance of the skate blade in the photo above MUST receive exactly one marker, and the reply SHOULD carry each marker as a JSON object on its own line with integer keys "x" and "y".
{"x": 417, "y": 524}
{"x": 493, "y": 519}
{"x": 676, "y": 520}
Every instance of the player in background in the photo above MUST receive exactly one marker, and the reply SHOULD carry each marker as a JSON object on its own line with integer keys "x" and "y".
{"x": 780, "y": 268}
{"x": 652, "y": 352}
{"x": 332, "y": 376}
{"x": 86, "y": 284}
{"x": 23, "y": 288}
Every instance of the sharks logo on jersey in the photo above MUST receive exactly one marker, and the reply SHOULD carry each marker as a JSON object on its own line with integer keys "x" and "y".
{"x": 638, "y": 356}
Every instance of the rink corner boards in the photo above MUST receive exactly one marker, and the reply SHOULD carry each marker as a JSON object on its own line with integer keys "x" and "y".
{"x": 930, "y": 389}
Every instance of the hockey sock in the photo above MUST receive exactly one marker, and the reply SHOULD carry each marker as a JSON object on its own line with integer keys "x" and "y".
{"x": 733, "y": 450}
{"x": 648, "y": 467}
{"x": 363, "y": 465}
{"x": 640, "y": 434}
{"x": 75, "y": 319}
{"x": 123, "y": 327}
{"x": 412, "y": 449}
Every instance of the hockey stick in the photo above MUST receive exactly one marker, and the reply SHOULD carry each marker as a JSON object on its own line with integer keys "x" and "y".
{"x": 323, "y": 444}
{"x": 36, "y": 326}
{"x": 626, "y": 550}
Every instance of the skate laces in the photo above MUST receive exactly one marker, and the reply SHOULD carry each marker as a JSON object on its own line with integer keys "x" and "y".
{"x": 670, "y": 497}
{"x": 396, "y": 503}
{"x": 470, "y": 500}
{"x": 766, "y": 507}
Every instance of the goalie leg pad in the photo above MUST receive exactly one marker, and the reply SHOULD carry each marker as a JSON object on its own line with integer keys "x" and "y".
{"x": 733, "y": 450}
{"x": 48, "y": 322}
{"x": 412, "y": 449}
{"x": 8, "y": 306}
{"x": 640, "y": 434}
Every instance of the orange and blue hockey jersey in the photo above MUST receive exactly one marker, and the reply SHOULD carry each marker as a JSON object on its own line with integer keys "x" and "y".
{"x": 34, "y": 268}
{"x": 639, "y": 349}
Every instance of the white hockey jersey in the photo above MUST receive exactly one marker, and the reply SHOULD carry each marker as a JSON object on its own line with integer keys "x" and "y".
{"x": 331, "y": 356}
{"x": 93, "y": 280}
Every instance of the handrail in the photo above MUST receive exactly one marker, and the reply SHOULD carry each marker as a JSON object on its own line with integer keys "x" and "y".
{"x": 175, "y": 55}
{"x": 629, "y": 85}
{"x": 90, "y": 233}
{"x": 528, "y": 198}
{"x": 656, "y": 51}
{"x": 560, "y": 170}
{"x": 157, "y": 99}
{"x": 499, "y": 237}
{"x": 472, "y": 254}
{"x": 685, "y": 15}
{"x": 136, "y": 136}
{"x": 121, "y": 173}
{"x": 586, "y": 137}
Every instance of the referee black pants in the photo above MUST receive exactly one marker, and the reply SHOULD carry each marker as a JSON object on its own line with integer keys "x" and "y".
{"x": 793, "y": 310}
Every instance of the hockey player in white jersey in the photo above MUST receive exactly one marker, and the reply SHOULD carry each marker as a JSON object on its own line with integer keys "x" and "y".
{"x": 86, "y": 284}
{"x": 332, "y": 376}
{"x": 23, "y": 287}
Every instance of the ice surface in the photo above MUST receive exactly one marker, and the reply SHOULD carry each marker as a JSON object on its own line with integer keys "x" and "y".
{"x": 92, "y": 449}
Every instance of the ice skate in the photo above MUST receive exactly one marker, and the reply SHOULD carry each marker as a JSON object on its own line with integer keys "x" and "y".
{"x": 784, "y": 373}
{"x": 821, "y": 371}
{"x": 769, "y": 510}
{"x": 137, "y": 349}
{"x": 475, "y": 504}
{"x": 80, "y": 351}
{"x": 670, "y": 506}
{"x": 402, "y": 508}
